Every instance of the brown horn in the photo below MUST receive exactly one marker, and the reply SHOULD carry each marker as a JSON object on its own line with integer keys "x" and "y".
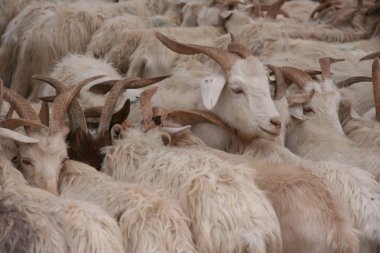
{"x": 274, "y": 9}
{"x": 120, "y": 116}
{"x": 62, "y": 103}
{"x": 146, "y": 108}
{"x": 10, "y": 113}
{"x": 44, "y": 113}
{"x": 224, "y": 58}
{"x": 370, "y": 56}
{"x": 103, "y": 87}
{"x": 239, "y": 49}
{"x": 297, "y": 76}
{"x": 23, "y": 108}
{"x": 257, "y": 8}
{"x": 75, "y": 113}
{"x": 376, "y": 85}
{"x": 1, "y": 94}
{"x": 114, "y": 93}
{"x": 350, "y": 81}
{"x": 191, "y": 117}
{"x": 19, "y": 122}
{"x": 325, "y": 66}
{"x": 280, "y": 85}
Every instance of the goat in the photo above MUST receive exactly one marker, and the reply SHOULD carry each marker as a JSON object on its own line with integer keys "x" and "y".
{"x": 207, "y": 189}
{"x": 286, "y": 186}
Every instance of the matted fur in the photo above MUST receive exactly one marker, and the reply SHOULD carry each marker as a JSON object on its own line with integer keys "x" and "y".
{"x": 149, "y": 222}
{"x": 308, "y": 213}
{"x": 351, "y": 185}
{"x": 228, "y": 213}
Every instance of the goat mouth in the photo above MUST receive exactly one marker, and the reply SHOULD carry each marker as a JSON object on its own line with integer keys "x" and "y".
{"x": 273, "y": 134}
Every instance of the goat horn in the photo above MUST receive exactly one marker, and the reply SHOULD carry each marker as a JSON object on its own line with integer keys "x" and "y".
{"x": 44, "y": 113}
{"x": 280, "y": 85}
{"x": 120, "y": 116}
{"x": 146, "y": 108}
{"x": 274, "y": 9}
{"x": 62, "y": 102}
{"x": 23, "y": 108}
{"x": 1, "y": 94}
{"x": 75, "y": 113}
{"x": 239, "y": 49}
{"x": 297, "y": 76}
{"x": 10, "y": 113}
{"x": 224, "y": 58}
{"x": 129, "y": 83}
{"x": 350, "y": 81}
{"x": 103, "y": 87}
{"x": 325, "y": 66}
{"x": 370, "y": 56}
{"x": 257, "y": 8}
{"x": 376, "y": 85}
{"x": 19, "y": 122}
{"x": 190, "y": 117}
{"x": 9, "y": 134}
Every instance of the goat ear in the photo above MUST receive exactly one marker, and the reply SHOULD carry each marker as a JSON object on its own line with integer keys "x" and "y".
{"x": 175, "y": 130}
{"x": 116, "y": 132}
{"x": 225, "y": 15}
{"x": 211, "y": 88}
{"x": 166, "y": 139}
{"x": 297, "y": 112}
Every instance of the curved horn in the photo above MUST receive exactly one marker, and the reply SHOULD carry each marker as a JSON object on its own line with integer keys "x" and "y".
{"x": 146, "y": 108}
{"x": 350, "y": 81}
{"x": 9, "y": 134}
{"x": 239, "y": 49}
{"x": 224, "y": 58}
{"x": 325, "y": 66}
{"x": 190, "y": 117}
{"x": 23, "y": 108}
{"x": 129, "y": 83}
{"x": 297, "y": 76}
{"x": 274, "y": 9}
{"x": 280, "y": 85}
{"x": 62, "y": 102}
{"x": 370, "y": 56}
{"x": 19, "y": 122}
{"x": 1, "y": 94}
{"x": 103, "y": 87}
{"x": 75, "y": 113}
{"x": 376, "y": 85}
{"x": 44, "y": 113}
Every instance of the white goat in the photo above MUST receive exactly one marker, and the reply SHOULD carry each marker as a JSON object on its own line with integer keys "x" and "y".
{"x": 228, "y": 213}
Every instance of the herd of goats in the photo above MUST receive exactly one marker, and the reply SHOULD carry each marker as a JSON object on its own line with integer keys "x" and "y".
{"x": 184, "y": 126}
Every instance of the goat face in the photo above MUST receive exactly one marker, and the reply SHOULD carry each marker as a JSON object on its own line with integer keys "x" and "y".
{"x": 41, "y": 163}
{"x": 244, "y": 101}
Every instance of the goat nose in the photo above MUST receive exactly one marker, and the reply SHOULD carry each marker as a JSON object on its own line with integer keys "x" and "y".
{"x": 276, "y": 122}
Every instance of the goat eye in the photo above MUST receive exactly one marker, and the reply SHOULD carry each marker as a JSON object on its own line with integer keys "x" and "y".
{"x": 237, "y": 91}
{"x": 26, "y": 162}
{"x": 308, "y": 109}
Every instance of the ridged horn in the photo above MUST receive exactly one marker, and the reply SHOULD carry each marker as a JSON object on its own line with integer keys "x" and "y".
{"x": 19, "y": 122}
{"x": 114, "y": 93}
{"x": 280, "y": 85}
{"x": 224, "y": 58}
{"x": 376, "y": 85}
{"x": 146, "y": 108}
{"x": 62, "y": 103}
{"x": 9, "y": 134}
{"x": 325, "y": 66}
{"x": 352, "y": 80}
{"x": 23, "y": 108}
{"x": 1, "y": 94}
{"x": 239, "y": 49}
{"x": 191, "y": 117}
{"x": 75, "y": 113}
{"x": 370, "y": 56}
{"x": 297, "y": 76}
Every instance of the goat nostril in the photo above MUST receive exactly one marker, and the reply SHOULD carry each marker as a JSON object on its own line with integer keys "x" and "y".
{"x": 275, "y": 122}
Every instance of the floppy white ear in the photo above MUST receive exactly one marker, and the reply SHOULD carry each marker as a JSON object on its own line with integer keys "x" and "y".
{"x": 211, "y": 87}
{"x": 12, "y": 135}
{"x": 297, "y": 112}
